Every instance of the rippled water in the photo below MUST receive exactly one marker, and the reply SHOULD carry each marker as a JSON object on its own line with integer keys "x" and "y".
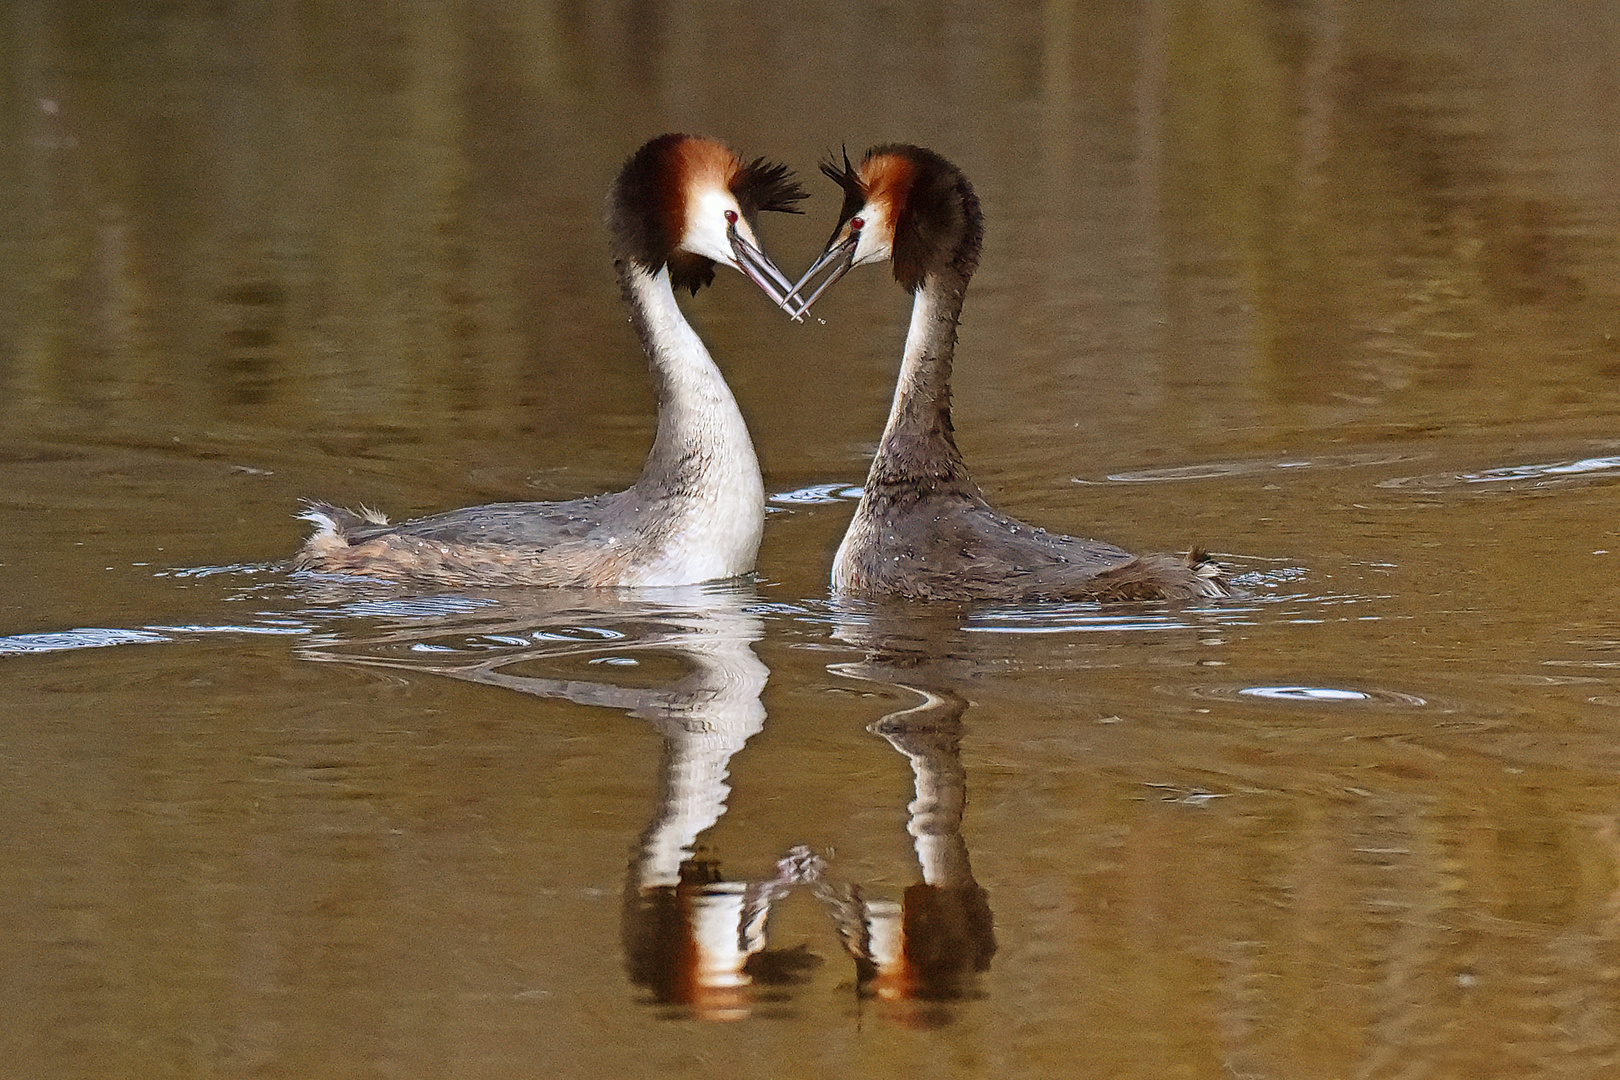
{"x": 1328, "y": 289}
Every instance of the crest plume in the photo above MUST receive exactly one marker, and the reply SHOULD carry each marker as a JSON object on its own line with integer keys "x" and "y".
{"x": 849, "y": 179}
{"x": 767, "y": 185}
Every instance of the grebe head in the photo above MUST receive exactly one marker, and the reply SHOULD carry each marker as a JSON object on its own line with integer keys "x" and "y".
{"x": 687, "y": 203}
{"x": 903, "y": 203}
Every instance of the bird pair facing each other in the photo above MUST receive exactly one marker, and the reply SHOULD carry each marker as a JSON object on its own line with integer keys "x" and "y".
{"x": 696, "y": 513}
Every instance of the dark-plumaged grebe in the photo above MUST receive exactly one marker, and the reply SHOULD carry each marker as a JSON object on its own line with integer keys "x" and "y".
{"x": 922, "y": 528}
{"x": 680, "y": 205}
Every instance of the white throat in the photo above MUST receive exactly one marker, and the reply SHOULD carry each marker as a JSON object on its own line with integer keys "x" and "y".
{"x": 922, "y": 316}
{"x": 717, "y": 513}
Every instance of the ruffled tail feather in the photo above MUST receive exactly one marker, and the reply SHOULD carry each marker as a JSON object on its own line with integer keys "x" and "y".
{"x": 334, "y": 528}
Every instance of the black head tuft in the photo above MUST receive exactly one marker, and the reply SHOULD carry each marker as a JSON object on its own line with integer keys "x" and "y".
{"x": 644, "y": 204}
{"x": 854, "y": 191}
{"x": 766, "y": 185}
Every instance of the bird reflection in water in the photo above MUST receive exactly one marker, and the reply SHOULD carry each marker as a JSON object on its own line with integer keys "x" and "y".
{"x": 931, "y": 945}
{"x": 693, "y": 940}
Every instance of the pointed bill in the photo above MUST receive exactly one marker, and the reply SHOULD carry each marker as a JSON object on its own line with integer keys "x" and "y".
{"x": 758, "y": 268}
{"x": 840, "y": 256}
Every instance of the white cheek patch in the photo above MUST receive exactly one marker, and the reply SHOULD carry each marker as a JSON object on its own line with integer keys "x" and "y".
{"x": 706, "y": 225}
{"x": 877, "y": 237}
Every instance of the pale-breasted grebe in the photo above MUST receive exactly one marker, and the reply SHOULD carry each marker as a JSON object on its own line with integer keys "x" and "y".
{"x": 680, "y": 205}
{"x": 922, "y": 528}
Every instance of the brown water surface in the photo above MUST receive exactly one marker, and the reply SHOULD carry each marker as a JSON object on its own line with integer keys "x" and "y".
{"x": 1329, "y": 288}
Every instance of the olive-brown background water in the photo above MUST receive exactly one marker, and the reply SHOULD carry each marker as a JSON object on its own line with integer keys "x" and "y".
{"x": 1329, "y": 288}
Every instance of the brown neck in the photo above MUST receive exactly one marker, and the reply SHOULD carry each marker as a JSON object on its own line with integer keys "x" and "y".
{"x": 919, "y": 443}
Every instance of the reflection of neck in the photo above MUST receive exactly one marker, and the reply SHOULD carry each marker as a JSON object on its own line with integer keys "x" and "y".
{"x": 919, "y": 442}
{"x": 714, "y": 712}
{"x": 930, "y": 737}
{"x": 692, "y": 798}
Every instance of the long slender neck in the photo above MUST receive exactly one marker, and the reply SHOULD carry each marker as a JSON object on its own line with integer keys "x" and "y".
{"x": 702, "y": 439}
{"x": 919, "y": 443}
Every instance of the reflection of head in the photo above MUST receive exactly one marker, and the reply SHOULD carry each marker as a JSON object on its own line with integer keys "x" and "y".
{"x": 701, "y": 943}
{"x": 689, "y": 943}
{"x": 947, "y": 934}
{"x": 927, "y": 947}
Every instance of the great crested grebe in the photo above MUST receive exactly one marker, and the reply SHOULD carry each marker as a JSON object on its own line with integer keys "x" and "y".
{"x": 680, "y": 205}
{"x": 922, "y": 528}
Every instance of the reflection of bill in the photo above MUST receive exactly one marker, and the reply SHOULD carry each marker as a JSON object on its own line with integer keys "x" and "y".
{"x": 931, "y": 945}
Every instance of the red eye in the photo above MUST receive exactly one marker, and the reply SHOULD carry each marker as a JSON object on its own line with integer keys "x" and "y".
{"x": 857, "y": 224}
{"x": 731, "y": 217}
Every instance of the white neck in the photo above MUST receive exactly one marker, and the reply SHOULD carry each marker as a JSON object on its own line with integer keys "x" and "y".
{"x": 702, "y": 473}
{"x": 920, "y": 336}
